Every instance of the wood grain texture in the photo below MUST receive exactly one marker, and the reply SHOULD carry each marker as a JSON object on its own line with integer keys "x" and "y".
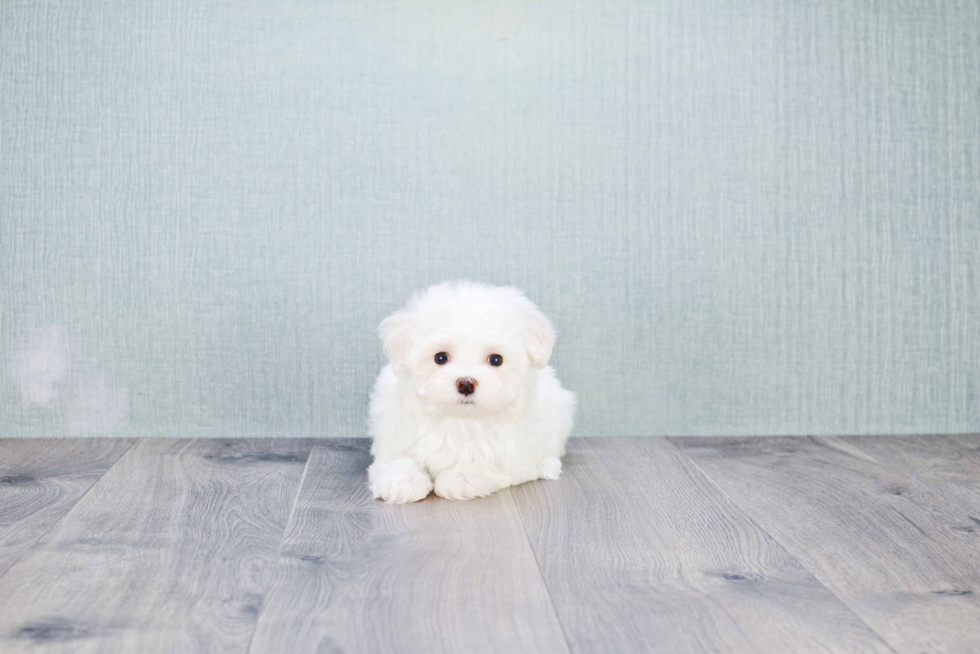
{"x": 969, "y": 442}
{"x": 40, "y": 480}
{"x": 861, "y": 518}
{"x": 641, "y": 552}
{"x": 170, "y": 551}
{"x": 949, "y": 466}
{"x": 357, "y": 575}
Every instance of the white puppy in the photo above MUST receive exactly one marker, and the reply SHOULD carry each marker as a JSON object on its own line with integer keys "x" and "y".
{"x": 467, "y": 404}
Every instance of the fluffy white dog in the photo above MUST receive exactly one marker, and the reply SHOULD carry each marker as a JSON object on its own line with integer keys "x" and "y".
{"x": 467, "y": 404}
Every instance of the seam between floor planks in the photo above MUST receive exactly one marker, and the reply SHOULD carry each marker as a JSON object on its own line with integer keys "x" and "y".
{"x": 282, "y": 541}
{"x": 544, "y": 581}
{"x": 900, "y": 599}
{"x": 220, "y": 471}
{"x": 660, "y": 556}
{"x": 350, "y": 571}
{"x": 34, "y": 546}
{"x": 306, "y": 480}
{"x": 779, "y": 542}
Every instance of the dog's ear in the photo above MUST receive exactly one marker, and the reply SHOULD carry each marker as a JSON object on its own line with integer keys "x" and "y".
{"x": 396, "y": 334}
{"x": 539, "y": 336}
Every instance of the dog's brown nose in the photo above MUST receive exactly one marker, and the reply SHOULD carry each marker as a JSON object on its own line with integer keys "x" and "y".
{"x": 466, "y": 385}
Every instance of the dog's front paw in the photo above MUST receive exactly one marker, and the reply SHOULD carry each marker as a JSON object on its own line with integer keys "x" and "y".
{"x": 457, "y": 484}
{"x": 399, "y": 481}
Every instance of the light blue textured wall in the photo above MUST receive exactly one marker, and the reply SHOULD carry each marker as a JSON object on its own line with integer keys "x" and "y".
{"x": 744, "y": 216}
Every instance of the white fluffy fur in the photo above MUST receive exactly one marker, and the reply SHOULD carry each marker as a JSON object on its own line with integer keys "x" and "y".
{"x": 427, "y": 436}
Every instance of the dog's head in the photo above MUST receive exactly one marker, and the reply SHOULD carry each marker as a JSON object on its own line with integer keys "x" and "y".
{"x": 470, "y": 350}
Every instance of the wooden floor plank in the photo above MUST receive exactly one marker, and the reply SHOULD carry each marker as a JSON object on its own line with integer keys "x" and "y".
{"x": 969, "y": 442}
{"x": 888, "y": 544}
{"x": 40, "y": 480}
{"x": 640, "y": 552}
{"x": 170, "y": 551}
{"x": 358, "y": 575}
{"x": 948, "y": 466}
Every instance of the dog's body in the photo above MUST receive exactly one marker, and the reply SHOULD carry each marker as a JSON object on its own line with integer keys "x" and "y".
{"x": 467, "y": 405}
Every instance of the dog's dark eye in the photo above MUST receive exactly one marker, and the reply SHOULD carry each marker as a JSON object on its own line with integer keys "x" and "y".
{"x": 495, "y": 360}
{"x": 442, "y": 358}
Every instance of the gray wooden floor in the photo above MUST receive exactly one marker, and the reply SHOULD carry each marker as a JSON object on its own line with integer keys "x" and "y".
{"x": 648, "y": 545}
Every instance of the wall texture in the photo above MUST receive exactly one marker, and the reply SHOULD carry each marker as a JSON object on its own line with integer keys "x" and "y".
{"x": 744, "y": 216}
